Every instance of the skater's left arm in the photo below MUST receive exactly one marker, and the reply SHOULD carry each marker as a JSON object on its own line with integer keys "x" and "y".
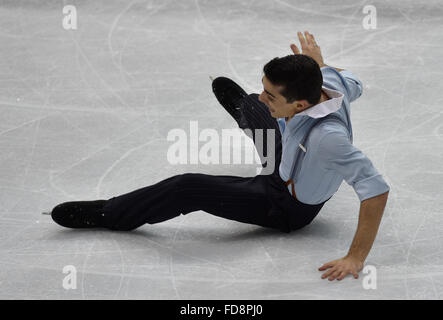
{"x": 338, "y": 154}
{"x": 371, "y": 212}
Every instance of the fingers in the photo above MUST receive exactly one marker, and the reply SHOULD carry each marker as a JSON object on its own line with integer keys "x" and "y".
{"x": 313, "y": 40}
{"x": 342, "y": 275}
{"x": 302, "y": 40}
{"x": 338, "y": 273}
{"x": 328, "y": 273}
{"x": 306, "y": 41}
{"x": 339, "y": 269}
{"x": 310, "y": 39}
{"x": 326, "y": 266}
{"x": 334, "y": 275}
{"x": 295, "y": 49}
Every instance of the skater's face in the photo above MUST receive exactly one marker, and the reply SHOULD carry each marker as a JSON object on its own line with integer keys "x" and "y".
{"x": 277, "y": 104}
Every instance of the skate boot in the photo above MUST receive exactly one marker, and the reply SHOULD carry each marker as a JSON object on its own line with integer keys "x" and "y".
{"x": 230, "y": 95}
{"x": 79, "y": 214}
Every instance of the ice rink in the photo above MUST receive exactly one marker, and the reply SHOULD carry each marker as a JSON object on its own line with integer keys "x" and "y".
{"x": 85, "y": 115}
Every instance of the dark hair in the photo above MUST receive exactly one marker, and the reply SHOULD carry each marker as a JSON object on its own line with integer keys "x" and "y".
{"x": 300, "y": 76}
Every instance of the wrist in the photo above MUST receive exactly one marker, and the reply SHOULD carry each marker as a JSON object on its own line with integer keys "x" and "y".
{"x": 355, "y": 257}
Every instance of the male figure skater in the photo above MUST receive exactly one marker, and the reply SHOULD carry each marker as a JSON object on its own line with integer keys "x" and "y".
{"x": 307, "y": 103}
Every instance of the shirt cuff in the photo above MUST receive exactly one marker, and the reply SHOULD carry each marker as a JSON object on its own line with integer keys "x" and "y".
{"x": 325, "y": 67}
{"x": 348, "y": 74}
{"x": 371, "y": 187}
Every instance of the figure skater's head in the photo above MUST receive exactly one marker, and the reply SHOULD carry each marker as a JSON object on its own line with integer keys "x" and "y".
{"x": 291, "y": 85}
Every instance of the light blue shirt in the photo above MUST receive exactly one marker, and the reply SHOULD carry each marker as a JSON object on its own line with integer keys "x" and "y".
{"x": 330, "y": 156}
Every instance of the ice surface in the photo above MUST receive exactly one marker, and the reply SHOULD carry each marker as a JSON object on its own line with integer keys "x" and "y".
{"x": 85, "y": 114}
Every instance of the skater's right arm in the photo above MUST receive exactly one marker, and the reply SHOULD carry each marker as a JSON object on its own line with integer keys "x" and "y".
{"x": 349, "y": 83}
{"x": 345, "y": 81}
{"x": 310, "y": 48}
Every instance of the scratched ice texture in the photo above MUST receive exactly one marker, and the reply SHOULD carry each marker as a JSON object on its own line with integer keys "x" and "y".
{"x": 85, "y": 115}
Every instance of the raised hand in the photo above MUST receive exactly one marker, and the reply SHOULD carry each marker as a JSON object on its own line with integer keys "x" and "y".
{"x": 309, "y": 47}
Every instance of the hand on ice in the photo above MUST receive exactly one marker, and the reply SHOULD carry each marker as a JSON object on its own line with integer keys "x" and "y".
{"x": 338, "y": 269}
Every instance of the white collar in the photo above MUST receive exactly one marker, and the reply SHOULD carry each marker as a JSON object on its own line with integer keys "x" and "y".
{"x": 326, "y": 107}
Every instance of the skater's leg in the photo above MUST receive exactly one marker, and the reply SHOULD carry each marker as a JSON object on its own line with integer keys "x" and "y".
{"x": 249, "y": 113}
{"x": 255, "y": 116}
{"x": 243, "y": 199}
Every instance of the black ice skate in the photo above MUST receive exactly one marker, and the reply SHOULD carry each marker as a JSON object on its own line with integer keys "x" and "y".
{"x": 79, "y": 214}
{"x": 230, "y": 95}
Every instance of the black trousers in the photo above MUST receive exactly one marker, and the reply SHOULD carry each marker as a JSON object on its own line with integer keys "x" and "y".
{"x": 262, "y": 200}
